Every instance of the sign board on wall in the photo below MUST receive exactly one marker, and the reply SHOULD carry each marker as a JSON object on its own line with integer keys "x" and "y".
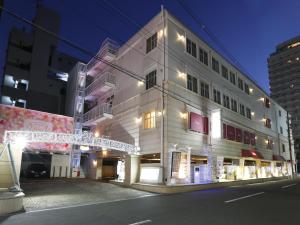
{"x": 15, "y": 118}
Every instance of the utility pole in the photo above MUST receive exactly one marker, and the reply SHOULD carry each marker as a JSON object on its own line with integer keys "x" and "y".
{"x": 290, "y": 145}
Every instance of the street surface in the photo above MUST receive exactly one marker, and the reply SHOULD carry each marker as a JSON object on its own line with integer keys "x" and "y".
{"x": 274, "y": 203}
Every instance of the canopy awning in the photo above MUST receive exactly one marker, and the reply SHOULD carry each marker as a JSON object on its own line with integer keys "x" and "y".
{"x": 278, "y": 158}
{"x": 252, "y": 153}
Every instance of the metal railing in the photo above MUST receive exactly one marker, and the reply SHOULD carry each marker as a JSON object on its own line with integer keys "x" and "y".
{"x": 108, "y": 46}
{"x": 97, "y": 112}
{"x": 100, "y": 81}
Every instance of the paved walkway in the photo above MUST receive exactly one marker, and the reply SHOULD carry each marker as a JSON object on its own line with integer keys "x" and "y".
{"x": 44, "y": 194}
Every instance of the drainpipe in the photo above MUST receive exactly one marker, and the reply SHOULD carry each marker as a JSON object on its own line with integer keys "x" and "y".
{"x": 163, "y": 100}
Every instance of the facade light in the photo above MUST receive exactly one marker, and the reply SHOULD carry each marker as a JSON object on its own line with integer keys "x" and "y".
{"x": 252, "y": 113}
{"x": 138, "y": 120}
{"x": 95, "y": 163}
{"x": 180, "y": 37}
{"x": 251, "y": 90}
{"x": 96, "y": 134}
{"x": 140, "y": 83}
{"x": 181, "y": 75}
{"x": 84, "y": 148}
{"x": 262, "y": 99}
{"x": 104, "y": 152}
{"x": 183, "y": 115}
{"x": 159, "y": 113}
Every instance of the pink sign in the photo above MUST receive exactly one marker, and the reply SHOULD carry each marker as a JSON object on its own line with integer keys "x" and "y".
{"x": 198, "y": 123}
{"x": 15, "y": 118}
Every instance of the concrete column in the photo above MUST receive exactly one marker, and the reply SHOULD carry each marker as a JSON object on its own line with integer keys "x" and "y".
{"x": 6, "y": 179}
{"x": 132, "y": 169}
{"x": 99, "y": 168}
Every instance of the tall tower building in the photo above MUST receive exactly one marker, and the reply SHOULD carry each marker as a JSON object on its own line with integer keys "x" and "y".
{"x": 284, "y": 74}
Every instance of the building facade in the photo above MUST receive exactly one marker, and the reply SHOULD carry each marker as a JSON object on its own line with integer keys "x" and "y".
{"x": 284, "y": 67}
{"x": 36, "y": 73}
{"x": 195, "y": 117}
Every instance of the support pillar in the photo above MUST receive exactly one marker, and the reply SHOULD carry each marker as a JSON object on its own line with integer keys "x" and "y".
{"x": 132, "y": 169}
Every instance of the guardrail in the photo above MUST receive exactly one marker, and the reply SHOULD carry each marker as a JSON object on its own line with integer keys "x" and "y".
{"x": 100, "y": 81}
{"x": 97, "y": 112}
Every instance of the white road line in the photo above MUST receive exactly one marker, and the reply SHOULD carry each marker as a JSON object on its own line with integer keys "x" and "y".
{"x": 247, "y": 196}
{"x": 141, "y": 222}
{"x": 88, "y": 204}
{"x": 290, "y": 185}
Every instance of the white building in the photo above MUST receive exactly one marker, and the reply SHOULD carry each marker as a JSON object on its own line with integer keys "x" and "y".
{"x": 212, "y": 123}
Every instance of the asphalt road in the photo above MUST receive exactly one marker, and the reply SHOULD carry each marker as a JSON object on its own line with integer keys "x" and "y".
{"x": 274, "y": 203}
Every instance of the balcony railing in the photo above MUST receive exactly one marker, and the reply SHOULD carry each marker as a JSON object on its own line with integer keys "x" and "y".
{"x": 107, "y": 52}
{"x": 97, "y": 114}
{"x": 101, "y": 84}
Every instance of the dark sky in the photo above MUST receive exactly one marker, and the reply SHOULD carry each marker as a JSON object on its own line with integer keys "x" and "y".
{"x": 249, "y": 29}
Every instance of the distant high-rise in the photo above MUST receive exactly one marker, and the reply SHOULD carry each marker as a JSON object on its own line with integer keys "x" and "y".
{"x": 35, "y": 73}
{"x": 284, "y": 74}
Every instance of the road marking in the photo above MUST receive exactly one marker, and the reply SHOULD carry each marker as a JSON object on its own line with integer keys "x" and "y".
{"x": 89, "y": 204}
{"x": 290, "y": 185}
{"x": 141, "y": 222}
{"x": 247, "y": 196}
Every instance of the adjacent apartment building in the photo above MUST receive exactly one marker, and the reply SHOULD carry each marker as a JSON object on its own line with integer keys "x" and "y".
{"x": 195, "y": 116}
{"x": 35, "y": 72}
{"x": 284, "y": 68}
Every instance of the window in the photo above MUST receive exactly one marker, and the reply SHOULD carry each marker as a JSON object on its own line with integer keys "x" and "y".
{"x": 217, "y": 96}
{"x": 240, "y": 84}
{"x": 232, "y": 77}
{"x": 203, "y": 56}
{"x": 204, "y": 90}
{"x": 233, "y": 105}
{"x": 151, "y": 79}
{"x": 225, "y": 72}
{"x": 247, "y": 89}
{"x": 248, "y": 113}
{"x": 151, "y": 42}
{"x": 283, "y": 147}
{"x": 149, "y": 120}
{"x": 268, "y": 123}
{"x": 279, "y": 112}
{"x": 191, "y": 47}
{"x": 281, "y": 130}
{"x": 215, "y": 65}
{"x": 269, "y": 144}
{"x": 109, "y": 100}
{"x": 267, "y": 103}
{"x": 226, "y": 101}
{"x": 242, "y": 109}
{"x": 192, "y": 83}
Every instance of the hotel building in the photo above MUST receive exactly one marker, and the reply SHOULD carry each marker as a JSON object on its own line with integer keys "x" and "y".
{"x": 195, "y": 117}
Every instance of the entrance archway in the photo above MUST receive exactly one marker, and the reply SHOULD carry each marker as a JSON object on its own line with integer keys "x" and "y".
{"x": 21, "y": 138}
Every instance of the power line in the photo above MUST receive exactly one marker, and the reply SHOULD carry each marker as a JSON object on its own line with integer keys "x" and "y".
{"x": 215, "y": 39}
{"x": 121, "y": 69}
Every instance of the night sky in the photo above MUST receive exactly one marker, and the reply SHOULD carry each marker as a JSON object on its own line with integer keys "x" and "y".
{"x": 248, "y": 29}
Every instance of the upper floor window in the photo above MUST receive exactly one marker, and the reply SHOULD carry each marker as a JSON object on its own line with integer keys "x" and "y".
{"x": 203, "y": 56}
{"x": 192, "y": 83}
{"x": 281, "y": 130}
{"x": 279, "y": 113}
{"x": 267, "y": 103}
{"x": 226, "y": 102}
{"x": 215, "y": 65}
{"x": 248, "y": 113}
{"x": 225, "y": 72}
{"x": 232, "y": 77}
{"x": 151, "y": 42}
{"x": 283, "y": 147}
{"x": 240, "y": 84}
{"x": 151, "y": 79}
{"x": 149, "y": 120}
{"x": 204, "y": 89}
{"x": 242, "y": 109}
{"x": 191, "y": 47}
{"x": 217, "y": 96}
{"x": 268, "y": 123}
{"x": 247, "y": 89}
{"x": 233, "y": 105}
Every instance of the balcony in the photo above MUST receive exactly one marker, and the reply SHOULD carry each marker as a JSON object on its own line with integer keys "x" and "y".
{"x": 97, "y": 114}
{"x": 107, "y": 52}
{"x": 100, "y": 85}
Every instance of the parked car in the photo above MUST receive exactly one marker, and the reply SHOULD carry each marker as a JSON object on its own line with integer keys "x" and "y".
{"x": 36, "y": 170}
